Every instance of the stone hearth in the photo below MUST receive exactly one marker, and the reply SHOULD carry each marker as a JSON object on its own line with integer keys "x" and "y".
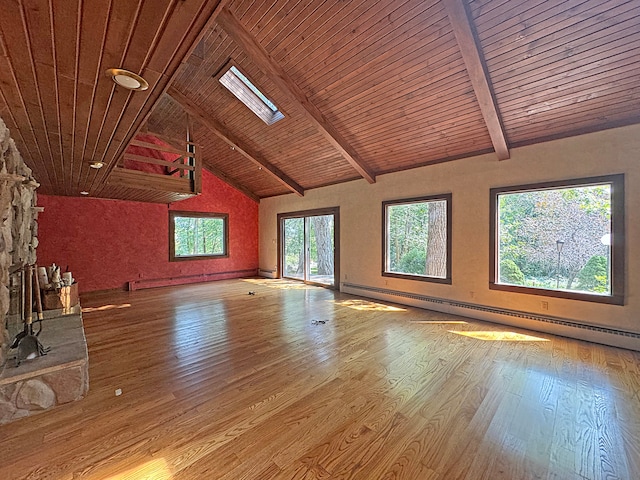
{"x": 61, "y": 376}
{"x": 18, "y": 223}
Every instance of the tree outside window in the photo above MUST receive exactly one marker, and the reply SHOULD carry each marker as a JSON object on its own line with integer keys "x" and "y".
{"x": 561, "y": 237}
{"x": 196, "y": 235}
{"x": 417, "y": 241}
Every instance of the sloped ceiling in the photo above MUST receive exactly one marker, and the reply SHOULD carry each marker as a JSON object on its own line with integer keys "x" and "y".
{"x": 366, "y": 87}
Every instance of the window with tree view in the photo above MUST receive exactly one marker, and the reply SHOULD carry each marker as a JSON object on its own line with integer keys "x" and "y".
{"x": 197, "y": 235}
{"x": 562, "y": 239}
{"x": 309, "y": 242}
{"x": 417, "y": 241}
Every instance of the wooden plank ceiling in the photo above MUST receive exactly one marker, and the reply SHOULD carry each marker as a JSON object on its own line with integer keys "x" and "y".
{"x": 367, "y": 88}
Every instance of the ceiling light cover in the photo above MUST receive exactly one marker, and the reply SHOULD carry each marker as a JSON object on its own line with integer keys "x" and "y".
{"x": 96, "y": 165}
{"x": 127, "y": 79}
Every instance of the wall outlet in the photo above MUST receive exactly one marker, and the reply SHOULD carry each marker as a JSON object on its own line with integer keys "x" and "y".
{"x": 544, "y": 304}
{"x": 472, "y": 294}
{"x": 345, "y": 276}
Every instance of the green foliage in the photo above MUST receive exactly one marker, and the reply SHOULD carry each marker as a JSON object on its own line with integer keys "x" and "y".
{"x": 414, "y": 262}
{"x": 593, "y": 277}
{"x": 593, "y": 200}
{"x": 293, "y": 246}
{"x": 531, "y": 223}
{"x": 407, "y": 230}
{"x": 407, "y": 236}
{"x": 511, "y": 273}
{"x": 514, "y": 209}
{"x": 319, "y": 234}
{"x": 195, "y": 236}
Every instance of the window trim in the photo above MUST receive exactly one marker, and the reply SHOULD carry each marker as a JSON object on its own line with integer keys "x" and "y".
{"x": 617, "y": 247}
{"x": 172, "y": 247}
{"x": 407, "y": 276}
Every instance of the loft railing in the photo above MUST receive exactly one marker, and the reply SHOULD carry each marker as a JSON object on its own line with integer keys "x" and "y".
{"x": 179, "y": 170}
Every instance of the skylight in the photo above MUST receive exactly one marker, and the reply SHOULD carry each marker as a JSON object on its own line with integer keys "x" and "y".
{"x": 245, "y": 91}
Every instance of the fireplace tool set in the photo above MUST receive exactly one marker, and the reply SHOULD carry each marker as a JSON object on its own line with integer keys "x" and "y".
{"x": 27, "y": 342}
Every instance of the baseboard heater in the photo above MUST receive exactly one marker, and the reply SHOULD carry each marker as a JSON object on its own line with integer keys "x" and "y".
{"x": 626, "y": 339}
{"x": 185, "y": 279}
{"x": 267, "y": 273}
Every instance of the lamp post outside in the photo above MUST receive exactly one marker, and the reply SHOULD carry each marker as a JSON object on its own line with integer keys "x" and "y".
{"x": 559, "y": 245}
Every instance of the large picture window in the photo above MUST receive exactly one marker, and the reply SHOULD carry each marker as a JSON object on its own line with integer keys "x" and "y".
{"x": 197, "y": 236}
{"x": 417, "y": 238}
{"x": 562, "y": 239}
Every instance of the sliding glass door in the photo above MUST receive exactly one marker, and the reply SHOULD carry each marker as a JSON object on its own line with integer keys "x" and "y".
{"x": 308, "y": 246}
{"x": 293, "y": 265}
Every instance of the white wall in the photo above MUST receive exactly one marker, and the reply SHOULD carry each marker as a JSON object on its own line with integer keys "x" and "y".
{"x": 469, "y": 180}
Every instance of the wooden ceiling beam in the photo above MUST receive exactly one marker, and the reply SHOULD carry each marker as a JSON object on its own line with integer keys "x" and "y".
{"x": 225, "y": 135}
{"x": 281, "y": 79}
{"x": 476, "y": 67}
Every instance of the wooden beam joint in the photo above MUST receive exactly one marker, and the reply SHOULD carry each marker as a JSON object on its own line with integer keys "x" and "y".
{"x": 474, "y": 61}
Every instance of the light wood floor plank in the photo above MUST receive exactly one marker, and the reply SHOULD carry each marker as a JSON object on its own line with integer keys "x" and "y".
{"x": 219, "y": 384}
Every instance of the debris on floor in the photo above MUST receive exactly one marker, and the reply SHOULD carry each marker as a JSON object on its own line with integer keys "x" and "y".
{"x": 318, "y": 322}
{"x": 252, "y": 293}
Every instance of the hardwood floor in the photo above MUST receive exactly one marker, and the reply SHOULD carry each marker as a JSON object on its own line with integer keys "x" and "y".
{"x": 220, "y": 384}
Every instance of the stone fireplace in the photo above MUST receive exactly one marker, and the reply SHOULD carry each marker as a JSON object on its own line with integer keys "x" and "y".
{"x": 18, "y": 227}
{"x": 62, "y": 375}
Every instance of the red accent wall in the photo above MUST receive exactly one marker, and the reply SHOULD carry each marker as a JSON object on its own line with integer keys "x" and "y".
{"x": 108, "y": 243}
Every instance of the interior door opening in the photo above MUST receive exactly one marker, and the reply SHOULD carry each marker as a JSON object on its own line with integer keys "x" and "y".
{"x": 308, "y": 246}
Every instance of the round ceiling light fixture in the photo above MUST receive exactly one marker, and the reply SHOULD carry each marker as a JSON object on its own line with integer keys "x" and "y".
{"x": 84, "y": 192}
{"x": 96, "y": 165}
{"x": 127, "y": 79}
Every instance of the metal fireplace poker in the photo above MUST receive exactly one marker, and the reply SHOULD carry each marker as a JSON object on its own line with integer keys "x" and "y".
{"x": 27, "y": 343}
